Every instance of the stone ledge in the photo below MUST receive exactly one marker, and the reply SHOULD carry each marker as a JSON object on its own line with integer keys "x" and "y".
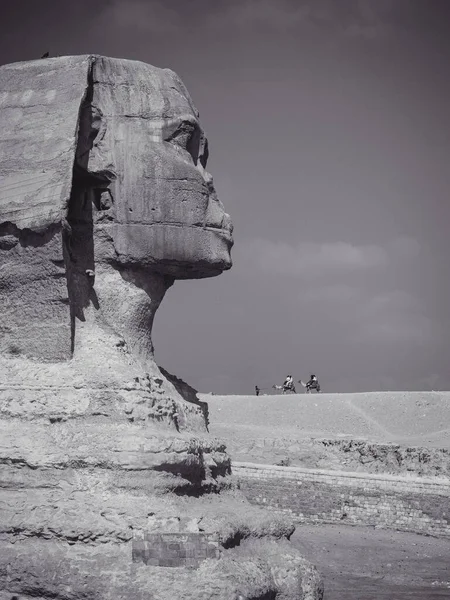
{"x": 257, "y": 470}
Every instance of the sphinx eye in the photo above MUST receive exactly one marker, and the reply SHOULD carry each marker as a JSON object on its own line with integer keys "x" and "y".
{"x": 187, "y": 136}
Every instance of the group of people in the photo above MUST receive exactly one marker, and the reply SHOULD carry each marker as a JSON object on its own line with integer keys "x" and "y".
{"x": 312, "y": 384}
{"x": 289, "y": 385}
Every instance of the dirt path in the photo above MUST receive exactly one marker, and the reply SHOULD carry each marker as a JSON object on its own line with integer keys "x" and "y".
{"x": 382, "y": 432}
{"x": 362, "y": 563}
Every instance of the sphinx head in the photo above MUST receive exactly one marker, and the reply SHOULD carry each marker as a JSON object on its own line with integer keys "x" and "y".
{"x": 142, "y": 146}
{"x": 115, "y": 157}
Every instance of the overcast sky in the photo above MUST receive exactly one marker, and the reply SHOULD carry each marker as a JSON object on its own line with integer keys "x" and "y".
{"x": 329, "y": 134}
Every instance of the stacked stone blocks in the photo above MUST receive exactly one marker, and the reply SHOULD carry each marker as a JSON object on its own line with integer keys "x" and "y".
{"x": 318, "y": 496}
{"x": 174, "y": 549}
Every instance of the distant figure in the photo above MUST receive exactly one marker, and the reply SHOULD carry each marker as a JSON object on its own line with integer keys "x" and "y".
{"x": 288, "y": 385}
{"x": 257, "y": 390}
{"x": 312, "y": 384}
{"x": 46, "y": 55}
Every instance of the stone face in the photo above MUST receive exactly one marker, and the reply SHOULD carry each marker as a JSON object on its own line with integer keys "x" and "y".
{"x": 149, "y": 132}
{"x": 104, "y": 202}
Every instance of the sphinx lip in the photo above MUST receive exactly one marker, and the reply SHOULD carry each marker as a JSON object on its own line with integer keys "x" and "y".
{"x": 225, "y": 233}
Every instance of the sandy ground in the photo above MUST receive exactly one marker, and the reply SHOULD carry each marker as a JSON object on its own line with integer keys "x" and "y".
{"x": 362, "y": 563}
{"x": 406, "y": 418}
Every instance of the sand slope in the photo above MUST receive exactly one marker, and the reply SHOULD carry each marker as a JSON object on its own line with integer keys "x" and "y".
{"x": 406, "y": 418}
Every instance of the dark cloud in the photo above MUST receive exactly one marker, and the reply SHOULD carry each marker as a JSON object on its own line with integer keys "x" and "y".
{"x": 142, "y": 16}
{"x": 353, "y": 17}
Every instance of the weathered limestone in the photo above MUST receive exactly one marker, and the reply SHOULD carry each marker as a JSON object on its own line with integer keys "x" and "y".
{"x": 104, "y": 202}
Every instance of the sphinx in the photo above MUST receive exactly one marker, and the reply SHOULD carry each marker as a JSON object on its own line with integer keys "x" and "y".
{"x": 105, "y": 201}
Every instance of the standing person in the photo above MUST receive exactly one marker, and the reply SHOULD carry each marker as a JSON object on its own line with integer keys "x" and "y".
{"x": 257, "y": 390}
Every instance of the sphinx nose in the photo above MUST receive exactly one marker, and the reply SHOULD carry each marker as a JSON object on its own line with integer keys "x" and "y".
{"x": 217, "y": 217}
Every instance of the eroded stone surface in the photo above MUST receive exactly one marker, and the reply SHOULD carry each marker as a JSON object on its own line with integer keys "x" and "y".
{"x": 39, "y": 106}
{"x": 104, "y": 201}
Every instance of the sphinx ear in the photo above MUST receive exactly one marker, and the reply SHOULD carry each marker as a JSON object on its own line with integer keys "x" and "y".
{"x": 40, "y": 104}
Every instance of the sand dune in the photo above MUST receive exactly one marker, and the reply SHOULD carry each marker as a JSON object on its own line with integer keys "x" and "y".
{"x": 406, "y": 418}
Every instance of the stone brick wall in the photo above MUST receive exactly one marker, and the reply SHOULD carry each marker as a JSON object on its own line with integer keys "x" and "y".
{"x": 174, "y": 549}
{"x": 317, "y": 496}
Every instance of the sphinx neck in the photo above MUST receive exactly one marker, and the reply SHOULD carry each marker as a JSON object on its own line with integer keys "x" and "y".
{"x": 113, "y": 310}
